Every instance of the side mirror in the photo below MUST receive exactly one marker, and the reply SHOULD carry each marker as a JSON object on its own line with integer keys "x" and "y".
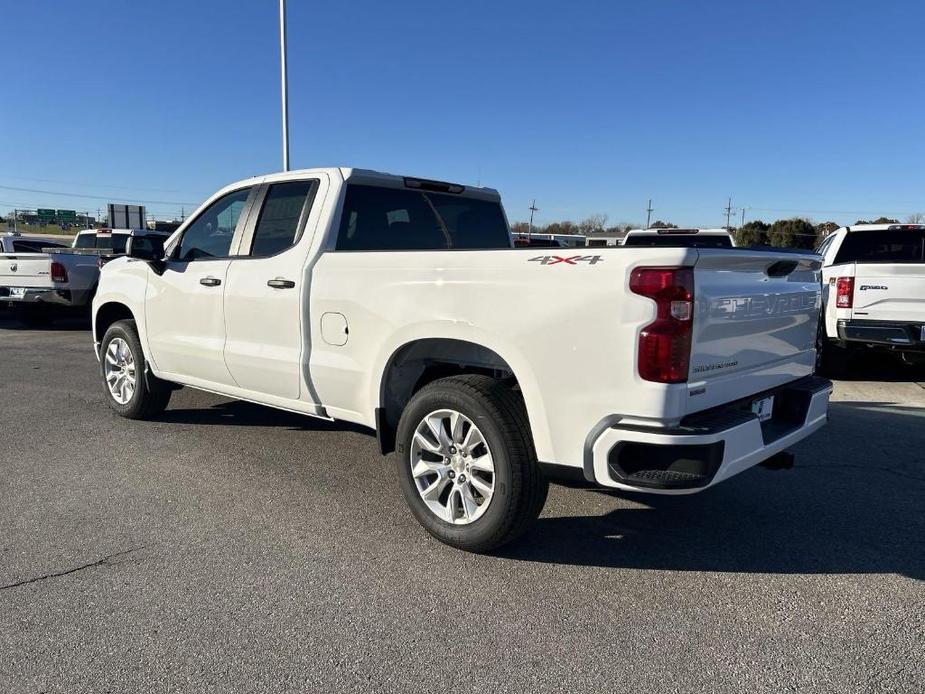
{"x": 144, "y": 248}
{"x": 147, "y": 248}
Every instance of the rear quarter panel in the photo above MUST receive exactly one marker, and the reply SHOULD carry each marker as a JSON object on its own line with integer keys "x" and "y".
{"x": 568, "y": 330}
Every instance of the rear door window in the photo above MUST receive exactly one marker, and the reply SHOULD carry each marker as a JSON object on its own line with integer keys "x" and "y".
{"x": 278, "y": 226}
{"x": 376, "y": 219}
{"x": 883, "y": 246}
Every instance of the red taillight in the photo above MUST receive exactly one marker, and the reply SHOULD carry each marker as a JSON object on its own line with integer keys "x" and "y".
{"x": 665, "y": 344}
{"x": 844, "y": 292}
{"x": 58, "y": 272}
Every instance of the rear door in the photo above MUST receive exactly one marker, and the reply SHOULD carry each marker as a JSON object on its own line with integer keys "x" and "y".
{"x": 756, "y": 313}
{"x": 184, "y": 305}
{"x": 268, "y": 281}
{"x": 889, "y": 282}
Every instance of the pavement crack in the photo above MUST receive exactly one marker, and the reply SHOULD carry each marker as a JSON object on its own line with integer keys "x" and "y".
{"x": 105, "y": 561}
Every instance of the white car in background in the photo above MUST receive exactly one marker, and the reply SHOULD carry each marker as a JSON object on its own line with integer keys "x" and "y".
{"x": 679, "y": 238}
{"x": 873, "y": 294}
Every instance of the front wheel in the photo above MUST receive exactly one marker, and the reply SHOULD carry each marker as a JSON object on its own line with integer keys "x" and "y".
{"x": 466, "y": 463}
{"x": 130, "y": 390}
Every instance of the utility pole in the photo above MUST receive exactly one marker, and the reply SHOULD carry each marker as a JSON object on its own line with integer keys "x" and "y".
{"x": 743, "y": 218}
{"x": 728, "y": 211}
{"x": 284, "y": 82}
{"x": 15, "y": 212}
{"x": 649, "y": 211}
{"x": 533, "y": 208}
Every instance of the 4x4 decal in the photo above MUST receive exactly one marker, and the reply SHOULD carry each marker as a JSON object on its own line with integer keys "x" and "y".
{"x": 568, "y": 260}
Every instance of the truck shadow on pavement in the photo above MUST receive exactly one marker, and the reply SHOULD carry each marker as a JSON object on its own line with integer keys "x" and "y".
{"x": 851, "y": 504}
{"x": 244, "y": 414}
{"x": 879, "y": 366}
{"x": 72, "y": 323}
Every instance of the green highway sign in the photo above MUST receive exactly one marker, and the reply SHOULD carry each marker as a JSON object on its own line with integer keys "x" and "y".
{"x": 45, "y": 214}
{"x": 67, "y": 215}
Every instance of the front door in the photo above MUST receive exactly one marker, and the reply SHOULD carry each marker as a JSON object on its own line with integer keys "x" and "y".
{"x": 184, "y": 305}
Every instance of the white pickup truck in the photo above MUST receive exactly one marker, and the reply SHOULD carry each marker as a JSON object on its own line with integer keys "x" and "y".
{"x": 41, "y": 280}
{"x": 401, "y": 305}
{"x": 873, "y": 293}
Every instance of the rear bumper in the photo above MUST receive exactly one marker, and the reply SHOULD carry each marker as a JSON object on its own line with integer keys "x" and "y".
{"x": 888, "y": 333}
{"x": 36, "y": 295}
{"x": 708, "y": 447}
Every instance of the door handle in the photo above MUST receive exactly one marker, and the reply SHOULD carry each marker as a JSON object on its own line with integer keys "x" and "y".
{"x": 210, "y": 281}
{"x": 280, "y": 284}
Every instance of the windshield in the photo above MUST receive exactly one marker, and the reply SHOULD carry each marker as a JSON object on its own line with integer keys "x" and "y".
{"x": 680, "y": 240}
{"x": 883, "y": 246}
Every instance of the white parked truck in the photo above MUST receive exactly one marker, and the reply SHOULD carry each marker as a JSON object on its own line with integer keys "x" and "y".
{"x": 41, "y": 280}
{"x": 873, "y": 293}
{"x": 400, "y": 304}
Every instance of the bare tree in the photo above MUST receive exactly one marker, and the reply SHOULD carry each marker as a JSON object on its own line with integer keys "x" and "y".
{"x": 595, "y": 224}
{"x": 915, "y": 218}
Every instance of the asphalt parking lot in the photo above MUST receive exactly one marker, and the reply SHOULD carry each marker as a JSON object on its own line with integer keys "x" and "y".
{"x": 229, "y": 547}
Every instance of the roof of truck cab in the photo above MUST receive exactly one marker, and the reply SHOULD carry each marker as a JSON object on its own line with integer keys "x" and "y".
{"x": 882, "y": 227}
{"x": 654, "y": 231}
{"x": 356, "y": 175}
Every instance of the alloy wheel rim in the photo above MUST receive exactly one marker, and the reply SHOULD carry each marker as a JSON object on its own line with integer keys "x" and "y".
{"x": 452, "y": 467}
{"x": 119, "y": 370}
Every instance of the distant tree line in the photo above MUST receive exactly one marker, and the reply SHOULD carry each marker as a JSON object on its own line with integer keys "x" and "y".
{"x": 797, "y": 232}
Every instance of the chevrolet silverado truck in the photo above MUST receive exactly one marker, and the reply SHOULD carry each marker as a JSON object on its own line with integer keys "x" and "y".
{"x": 873, "y": 293}
{"x": 400, "y": 304}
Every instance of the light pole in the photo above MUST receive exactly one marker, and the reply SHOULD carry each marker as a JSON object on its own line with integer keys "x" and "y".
{"x": 533, "y": 208}
{"x": 649, "y": 211}
{"x": 284, "y": 82}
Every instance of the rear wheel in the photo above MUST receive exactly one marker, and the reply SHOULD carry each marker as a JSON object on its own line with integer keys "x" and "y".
{"x": 130, "y": 389}
{"x": 466, "y": 463}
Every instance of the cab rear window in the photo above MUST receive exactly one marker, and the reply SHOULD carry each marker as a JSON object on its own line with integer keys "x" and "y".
{"x": 393, "y": 219}
{"x": 883, "y": 246}
{"x": 679, "y": 241}
{"x": 85, "y": 241}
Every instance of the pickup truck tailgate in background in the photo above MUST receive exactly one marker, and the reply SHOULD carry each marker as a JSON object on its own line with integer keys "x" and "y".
{"x": 889, "y": 292}
{"x": 25, "y": 270}
{"x": 755, "y": 313}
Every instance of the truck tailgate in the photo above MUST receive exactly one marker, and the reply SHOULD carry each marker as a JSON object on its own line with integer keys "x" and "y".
{"x": 25, "y": 270}
{"x": 756, "y": 313}
{"x": 889, "y": 292}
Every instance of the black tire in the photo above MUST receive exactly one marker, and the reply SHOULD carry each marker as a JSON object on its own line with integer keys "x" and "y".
{"x": 151, "y": 394}
{"x": 520, "y": 488}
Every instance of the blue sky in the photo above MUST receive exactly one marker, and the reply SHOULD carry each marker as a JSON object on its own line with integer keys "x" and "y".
{"x": 809, "y": 108}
